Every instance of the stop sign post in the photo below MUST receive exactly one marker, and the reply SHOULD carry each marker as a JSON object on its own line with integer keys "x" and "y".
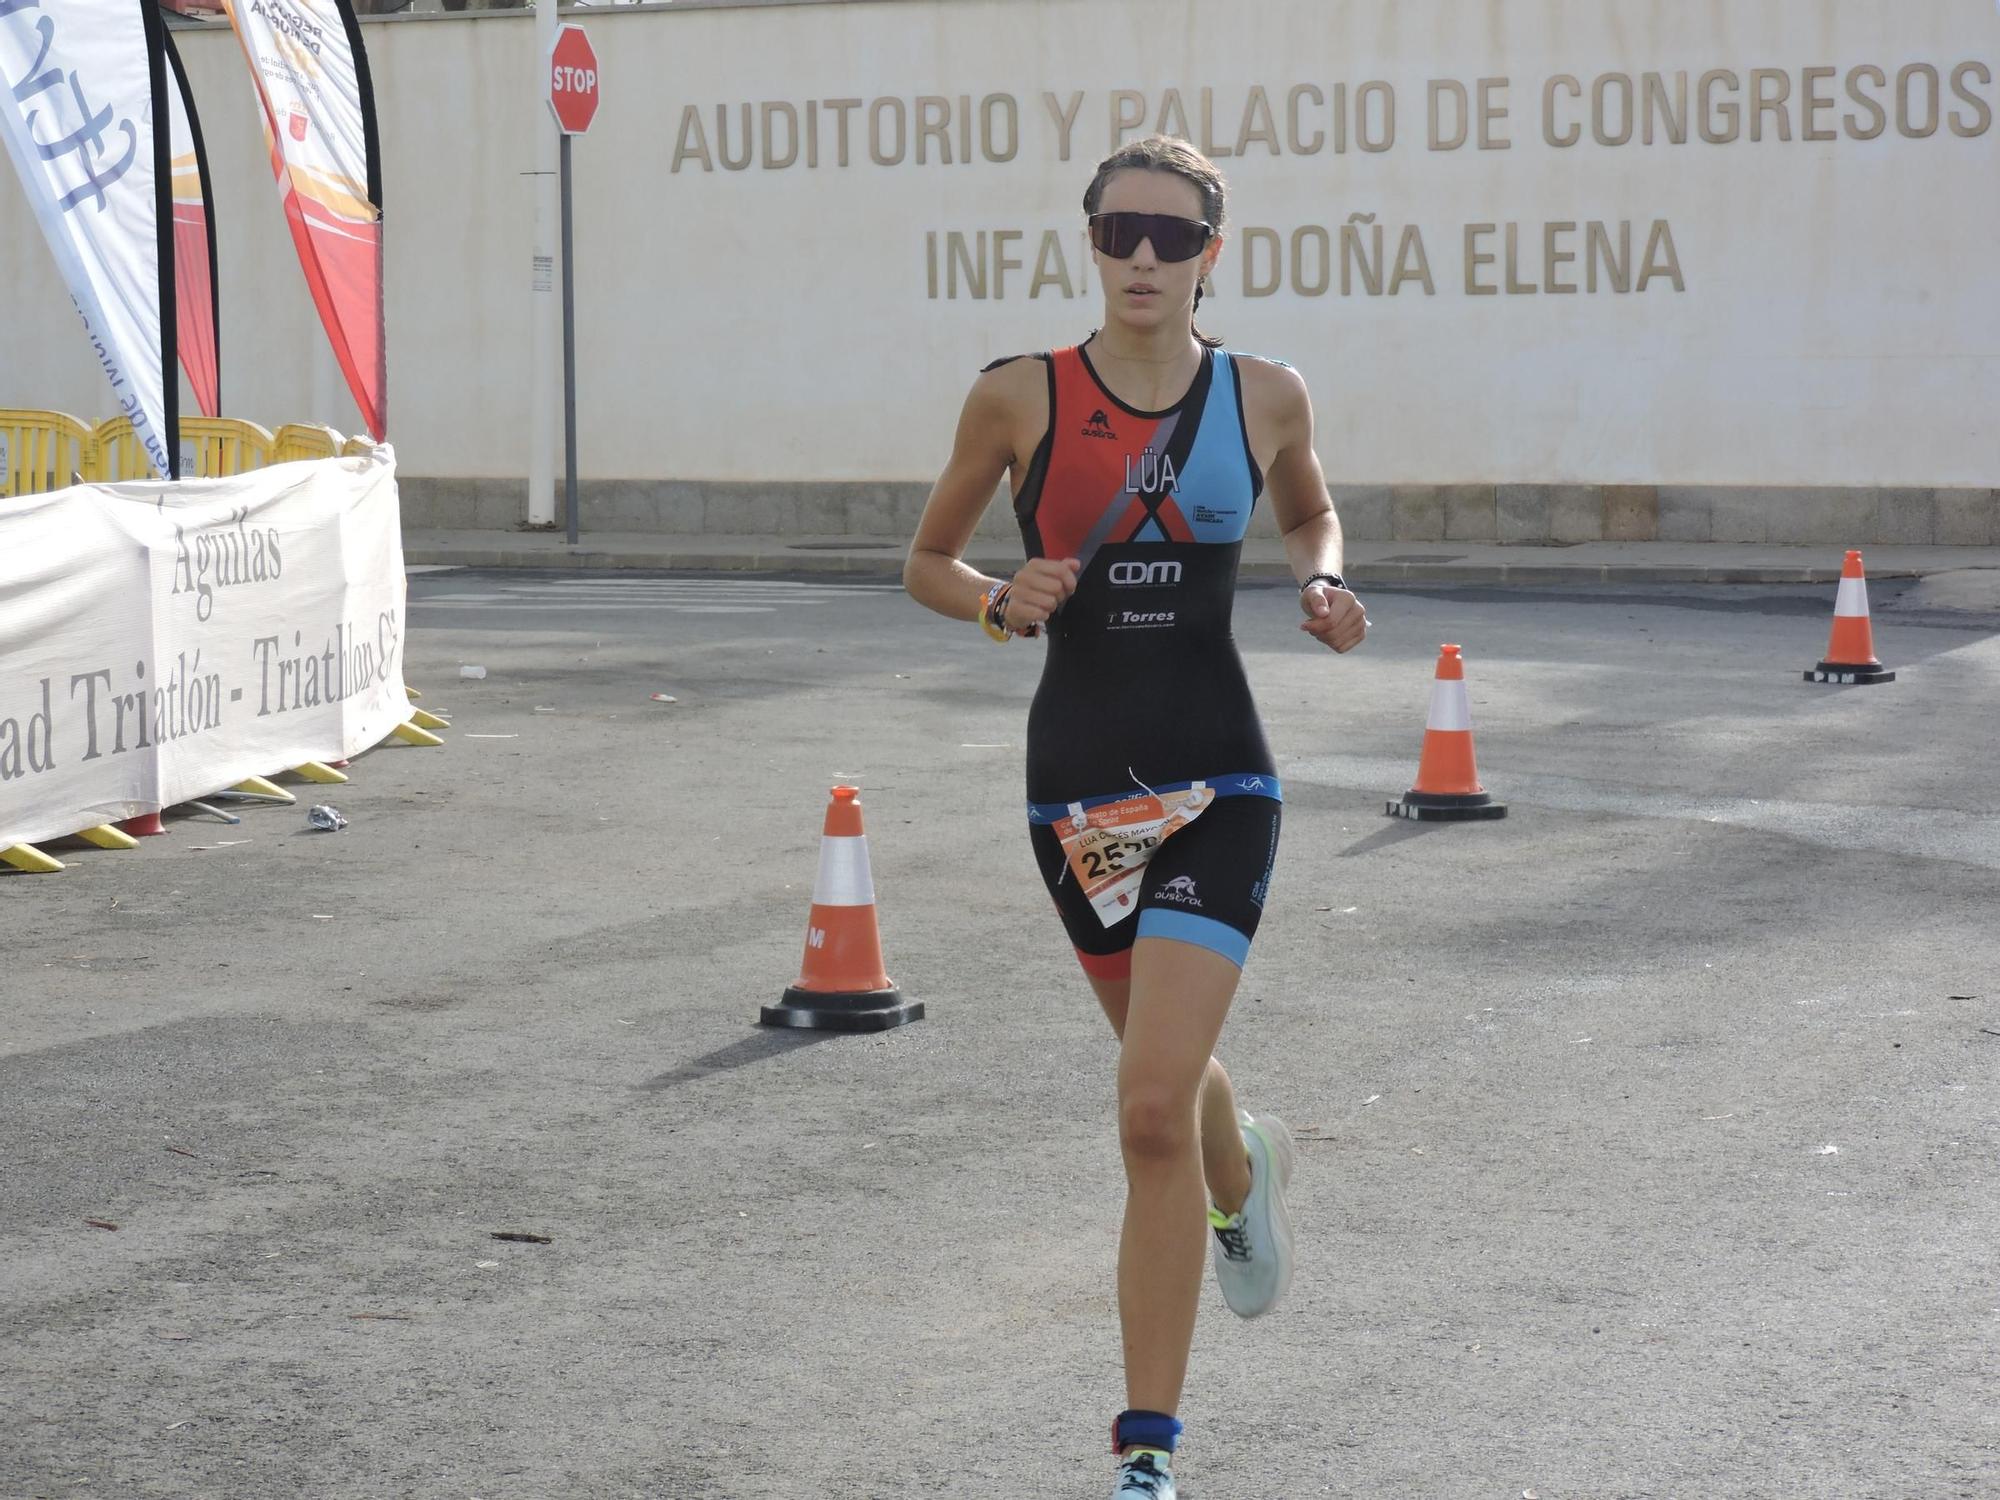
{"x": 572, "y": 80}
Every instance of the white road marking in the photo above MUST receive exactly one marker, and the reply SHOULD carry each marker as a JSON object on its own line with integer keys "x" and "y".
{"x": 670, "y": 595}
{"x": 517, "y": 606}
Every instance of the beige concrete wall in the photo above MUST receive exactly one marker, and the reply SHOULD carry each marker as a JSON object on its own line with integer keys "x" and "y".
{"x": 1820, "y": 309}
{"x": 1558, "y": 514}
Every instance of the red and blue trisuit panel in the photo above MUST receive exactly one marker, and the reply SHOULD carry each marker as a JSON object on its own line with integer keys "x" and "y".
{"x": 1144, "y": 722}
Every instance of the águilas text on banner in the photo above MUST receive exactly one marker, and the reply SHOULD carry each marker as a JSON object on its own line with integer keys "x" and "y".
{"x": 225, "y": 556}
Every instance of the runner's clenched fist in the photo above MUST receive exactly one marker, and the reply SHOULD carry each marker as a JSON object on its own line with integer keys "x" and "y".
{"x": 1039, "y": 590}
{"x": 1334, "y": 617}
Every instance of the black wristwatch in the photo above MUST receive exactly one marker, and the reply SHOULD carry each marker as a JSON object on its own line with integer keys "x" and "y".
{"x": 1333, "y": 578}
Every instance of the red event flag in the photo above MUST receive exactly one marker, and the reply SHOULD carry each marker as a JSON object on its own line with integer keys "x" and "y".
{"x": 312, "y": 80}
{"x": 195, "y": 277}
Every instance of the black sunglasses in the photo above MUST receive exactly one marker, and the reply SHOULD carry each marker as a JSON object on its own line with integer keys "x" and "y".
{"x": 1118, "y": 235}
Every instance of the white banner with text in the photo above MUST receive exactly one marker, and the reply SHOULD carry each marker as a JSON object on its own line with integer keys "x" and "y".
{"x": 160, "y": 642}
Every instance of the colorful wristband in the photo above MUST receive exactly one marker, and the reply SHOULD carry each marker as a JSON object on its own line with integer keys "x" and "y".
{"x": 992, "y": 617}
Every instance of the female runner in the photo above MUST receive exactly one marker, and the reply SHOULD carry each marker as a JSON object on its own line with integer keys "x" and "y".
{"x": 1135, "y": 460}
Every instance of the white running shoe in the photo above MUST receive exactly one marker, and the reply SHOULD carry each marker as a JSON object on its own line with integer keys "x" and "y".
{"x": 1143, "y": 1474}
{"x": 1253, "y": 1246}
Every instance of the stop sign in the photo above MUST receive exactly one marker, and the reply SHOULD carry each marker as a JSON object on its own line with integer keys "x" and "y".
{"x": 573, "y": 80}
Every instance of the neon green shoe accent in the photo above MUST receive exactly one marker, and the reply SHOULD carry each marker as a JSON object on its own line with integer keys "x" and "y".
{"x": 1217, "y": 1219}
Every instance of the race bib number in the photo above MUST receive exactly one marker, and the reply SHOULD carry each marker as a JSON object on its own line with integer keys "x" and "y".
{"x": 1108, "y": 846}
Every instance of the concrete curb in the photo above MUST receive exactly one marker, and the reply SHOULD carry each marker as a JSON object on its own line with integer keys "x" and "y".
{"x": 1541, "y": 574}
{"x": 887, "y": 563}
{"x": 884, "y": 560}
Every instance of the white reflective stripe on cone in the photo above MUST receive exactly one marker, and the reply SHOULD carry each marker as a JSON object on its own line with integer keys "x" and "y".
{"x": 1853, "y": 598}
{"x": 1450, "y": 707}
{"x": 843, "y": 873}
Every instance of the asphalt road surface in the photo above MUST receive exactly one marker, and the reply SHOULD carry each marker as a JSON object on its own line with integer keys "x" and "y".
{"x": 1650, "y": 1139}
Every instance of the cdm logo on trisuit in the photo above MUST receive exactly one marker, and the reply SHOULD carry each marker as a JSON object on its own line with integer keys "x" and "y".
{"x": 1145, "y": 573}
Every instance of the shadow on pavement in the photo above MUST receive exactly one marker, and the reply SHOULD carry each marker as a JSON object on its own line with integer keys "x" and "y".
{"x": 1394, "y": 833}
{"x": 766, "y": 1043}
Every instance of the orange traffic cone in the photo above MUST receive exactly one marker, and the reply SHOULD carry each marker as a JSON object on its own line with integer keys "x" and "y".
{"x": 1850, "y": 653}
{"x": 842, "y": 986}
{"x": 1448, "y": 789}
{"x": 145, "y": 826}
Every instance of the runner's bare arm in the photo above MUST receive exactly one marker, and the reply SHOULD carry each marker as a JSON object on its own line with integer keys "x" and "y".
{"x": 1302, "y": 506}
{"x": 990, "y": 442}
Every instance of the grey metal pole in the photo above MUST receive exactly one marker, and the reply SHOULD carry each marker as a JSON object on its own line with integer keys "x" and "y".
{"x": 541, "y": 308}
{"x": 569, "y": 350}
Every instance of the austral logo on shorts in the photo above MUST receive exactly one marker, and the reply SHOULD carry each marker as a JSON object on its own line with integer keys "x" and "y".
{"x": 1099, "y": 425}
{"x": 1179, "y": 890}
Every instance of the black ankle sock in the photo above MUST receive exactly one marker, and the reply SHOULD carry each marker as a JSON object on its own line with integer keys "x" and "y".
{"x": 1144, "y": 1429}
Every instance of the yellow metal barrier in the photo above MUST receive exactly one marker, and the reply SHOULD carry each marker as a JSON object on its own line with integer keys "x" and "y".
{"x": 42, "y": 451}
{"x": 223, "y": 446}
{"x": 211, "y": 448}
{"x": 120, "y": 459}
{"x": 296, "y": 440}
{"x": 48, "y": 450}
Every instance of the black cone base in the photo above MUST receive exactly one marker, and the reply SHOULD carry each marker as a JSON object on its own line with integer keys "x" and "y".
{"x": 1850, "y": 676}
{"x": 1444, "y": 807}
{"x": 865, "y": 1010}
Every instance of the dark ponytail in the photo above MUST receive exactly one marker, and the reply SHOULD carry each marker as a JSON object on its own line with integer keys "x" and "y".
{"x": 1164, "y": 153}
